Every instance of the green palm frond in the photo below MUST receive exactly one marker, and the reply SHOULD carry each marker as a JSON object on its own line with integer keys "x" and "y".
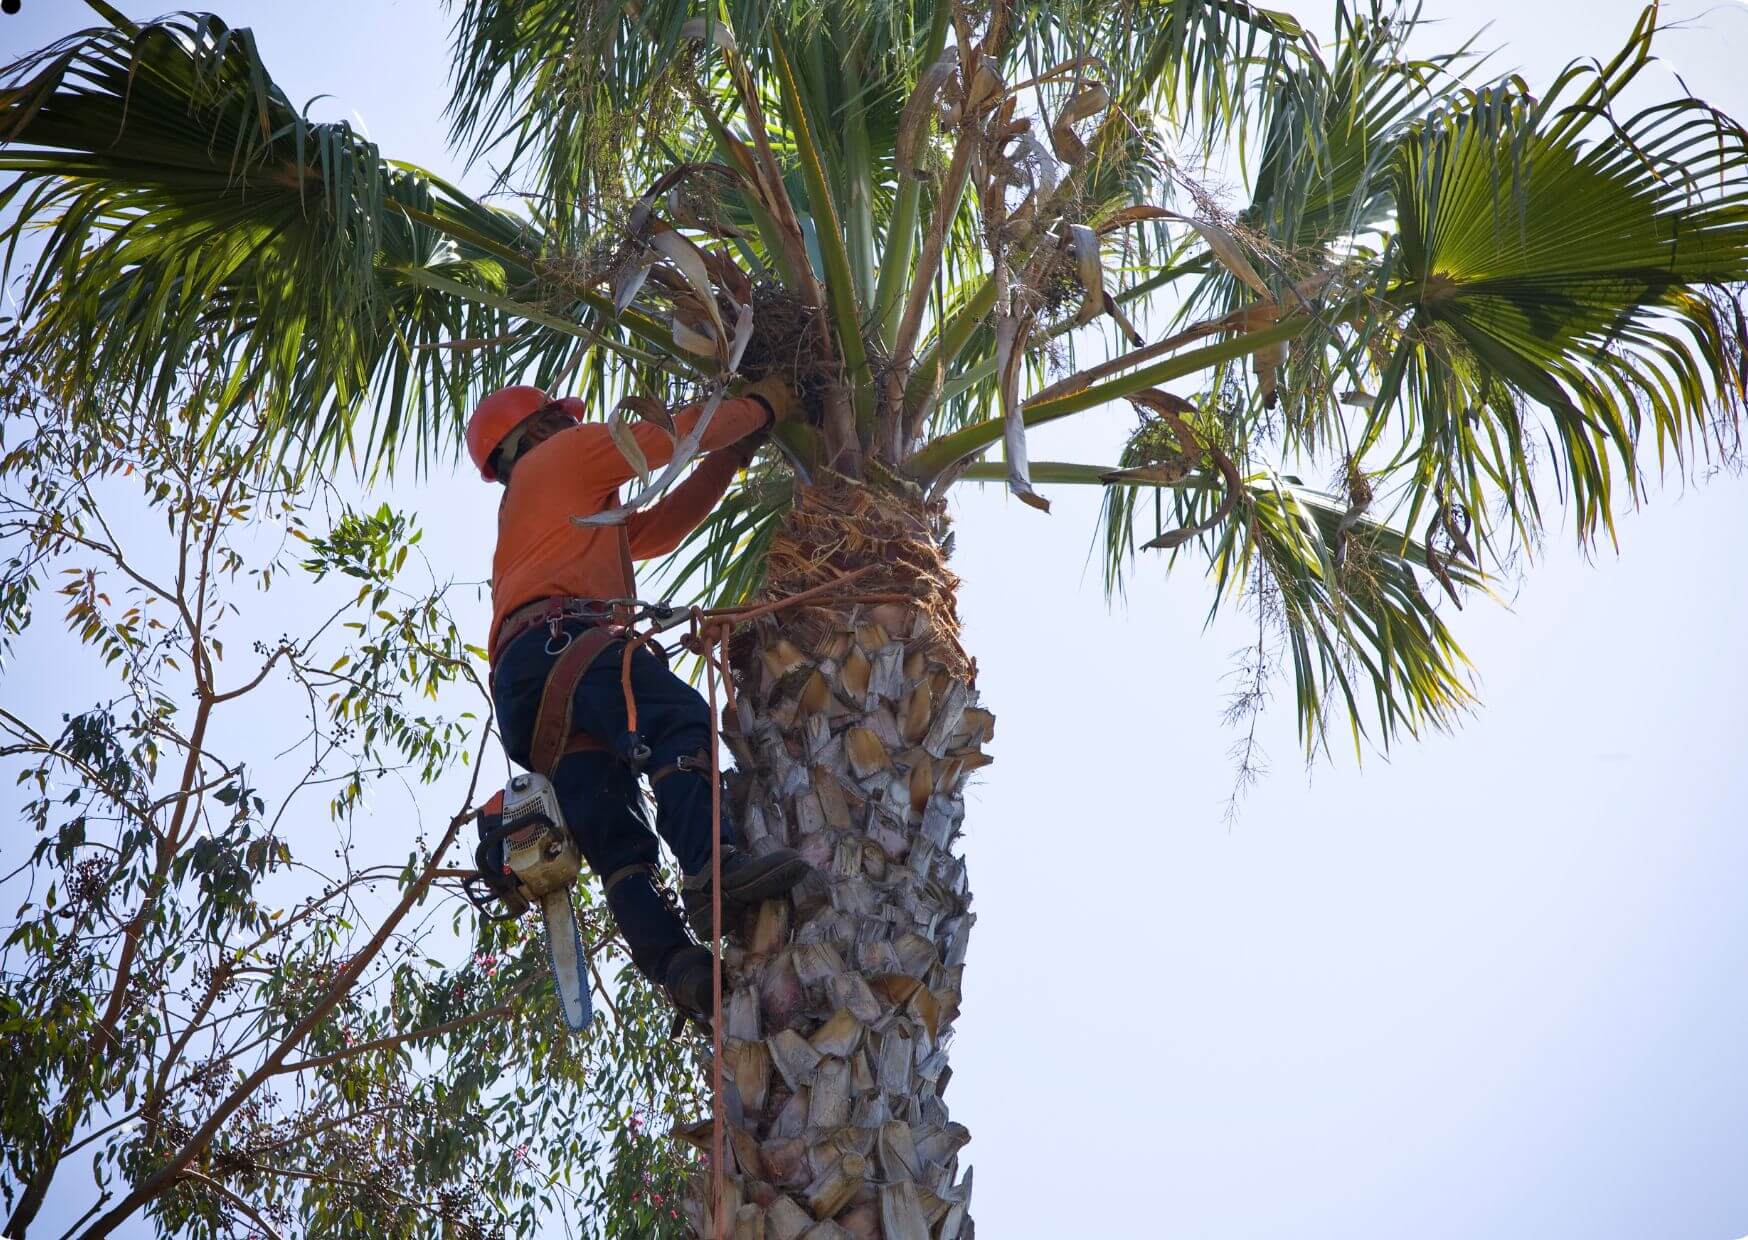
{"x": 1359, "y": 628}
{"x": 569, "y": 99}
{"x": 1435, "y": 279}
{"x": 722, "y": 563}
{"x": 1320, "y": 181}
{"x": 200, "y": 229}
{"x": 199, "y": 224}
{"x": 1337, "y": 591}
{"x": 1555, "y": 259}
{"x": 1337, "y": 596}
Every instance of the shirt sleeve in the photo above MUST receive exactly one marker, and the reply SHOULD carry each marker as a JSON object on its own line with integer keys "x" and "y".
{"x": 597, "y": 465}
{"x": 662, "y": 526}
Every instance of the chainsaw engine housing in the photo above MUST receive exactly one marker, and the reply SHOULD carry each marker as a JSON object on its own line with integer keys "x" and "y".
{"x": 539, "y": 853}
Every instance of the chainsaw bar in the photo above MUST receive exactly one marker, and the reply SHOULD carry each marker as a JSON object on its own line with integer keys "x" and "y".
{"x": 564, "y": 949}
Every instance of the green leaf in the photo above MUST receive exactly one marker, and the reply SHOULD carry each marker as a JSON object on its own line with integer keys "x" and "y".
{"x": 840, "y": 284}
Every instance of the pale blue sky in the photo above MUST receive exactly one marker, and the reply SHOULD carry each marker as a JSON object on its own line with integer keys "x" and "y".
{"x": 1495, "y": 985}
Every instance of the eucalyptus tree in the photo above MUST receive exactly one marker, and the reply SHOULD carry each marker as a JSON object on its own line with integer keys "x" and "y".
{"x": 228, "y": 1003}
{"x": 1468, "y": 306}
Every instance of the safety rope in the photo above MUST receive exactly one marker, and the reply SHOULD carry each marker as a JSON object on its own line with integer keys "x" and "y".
{"x": 716, "y": 1211}
{"x": 709, "y": 640}
{"x": 710, "y": 629}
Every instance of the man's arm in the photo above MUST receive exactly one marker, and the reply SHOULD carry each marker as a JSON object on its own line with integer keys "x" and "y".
{"x": 664, "y": 525}
{"x": 597, "y": 465}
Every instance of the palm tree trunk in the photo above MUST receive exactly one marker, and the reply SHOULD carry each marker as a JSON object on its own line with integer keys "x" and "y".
{"x": 855, "y": 729}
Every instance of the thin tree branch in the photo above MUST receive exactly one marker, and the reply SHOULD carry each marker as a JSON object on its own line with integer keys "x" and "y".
{"x": 341, "y": 987}
{"x": 237, "y": 1202}
{"x": 418, "y": 1035}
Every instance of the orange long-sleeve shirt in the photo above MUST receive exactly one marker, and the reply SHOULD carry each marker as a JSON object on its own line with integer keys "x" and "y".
{"x": 542, "y": 554}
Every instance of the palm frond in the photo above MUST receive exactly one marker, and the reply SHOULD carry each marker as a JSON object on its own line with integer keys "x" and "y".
{"x": 1337, "y": 596}
{"x": 564, "y": 97}
{"x": 1432, "y": 278}
{"x": 1332, "y": 130}
{"x": 198, "y": 224}
{"x": 1556, "y": 260}
{"x": 1360, "y": 632}
{"x": 721, "y": 563}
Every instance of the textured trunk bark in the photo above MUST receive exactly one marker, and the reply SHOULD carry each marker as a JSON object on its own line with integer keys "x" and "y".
{"x": 855, "y": 729}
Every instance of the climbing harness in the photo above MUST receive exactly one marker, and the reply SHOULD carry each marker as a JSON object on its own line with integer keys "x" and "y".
{"x": 526, "y": 855}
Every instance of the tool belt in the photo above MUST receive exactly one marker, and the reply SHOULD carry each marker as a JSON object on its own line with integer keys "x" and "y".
{"x": 554, "y": 735}
{"x": 549, "y": 613}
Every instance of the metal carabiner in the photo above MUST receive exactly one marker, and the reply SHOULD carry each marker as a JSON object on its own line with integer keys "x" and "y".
{"x": 664, "y": 616}
{"x": 553, "y": 635}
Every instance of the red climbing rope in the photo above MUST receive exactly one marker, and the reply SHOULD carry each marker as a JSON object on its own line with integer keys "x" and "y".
{"x": 716, "y": 1210}
{"x": 632, "y": 646}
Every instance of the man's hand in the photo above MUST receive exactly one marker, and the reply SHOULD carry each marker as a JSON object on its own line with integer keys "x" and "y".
{"x": 778, "y": 396}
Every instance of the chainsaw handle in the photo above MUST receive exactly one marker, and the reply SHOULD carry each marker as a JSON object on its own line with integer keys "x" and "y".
{"x": 482, "y": 895}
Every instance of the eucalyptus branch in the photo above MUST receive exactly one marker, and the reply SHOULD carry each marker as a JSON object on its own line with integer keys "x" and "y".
{"x": 242, "y": 1207}
{"x": 168, "y": 844}
{"x": 221, "y": 976}
{"x": 102, "y": 1199}
{"x": 342, "y": 986}
{"x": 506, "y": 1008}
{"x": 111, "y": 552}
{"x": 254, "y": 681}
{"x": 143, "y": 814}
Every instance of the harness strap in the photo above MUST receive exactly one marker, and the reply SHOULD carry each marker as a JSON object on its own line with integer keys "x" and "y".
{"x": 553, "y": 734}
{"x": 699, "y": 761}
{"x": 624, "y": 872}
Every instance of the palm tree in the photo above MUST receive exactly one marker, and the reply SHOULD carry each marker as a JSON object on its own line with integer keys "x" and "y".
{"x": 1454, "y": 298}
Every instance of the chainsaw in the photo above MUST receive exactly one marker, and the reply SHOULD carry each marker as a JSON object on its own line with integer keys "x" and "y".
{"x": 526, "y": 857}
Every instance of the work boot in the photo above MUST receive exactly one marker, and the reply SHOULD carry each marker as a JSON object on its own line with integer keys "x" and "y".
{"x": 689, "y": 983}
{"x": 746, "y": 879}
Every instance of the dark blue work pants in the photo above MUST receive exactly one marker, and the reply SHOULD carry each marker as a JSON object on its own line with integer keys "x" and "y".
{"x": 599, "y": 792}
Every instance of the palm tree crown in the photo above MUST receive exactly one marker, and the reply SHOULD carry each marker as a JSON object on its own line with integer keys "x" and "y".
{"x": 1451, "y": 296}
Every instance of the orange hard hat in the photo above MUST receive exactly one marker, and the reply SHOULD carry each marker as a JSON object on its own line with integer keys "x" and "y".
{"x": 500, "y": 413}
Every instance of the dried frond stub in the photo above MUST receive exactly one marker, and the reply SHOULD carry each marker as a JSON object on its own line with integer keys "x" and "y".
{"x": 619, "y": 431}
{"x": 1088, "y": 102}
{"x": 914, "y": 121}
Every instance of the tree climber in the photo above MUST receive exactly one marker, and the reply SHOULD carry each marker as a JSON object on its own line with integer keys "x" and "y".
{"x": 561, "y": 707}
